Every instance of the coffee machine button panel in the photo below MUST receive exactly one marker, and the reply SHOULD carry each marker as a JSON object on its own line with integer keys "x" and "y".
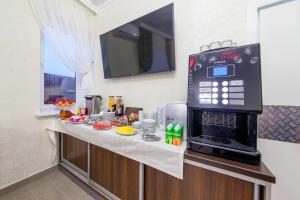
{"x": 225, "y": 101}
{"x": 215, "y": 89}
{"x": 205, "y": 84}
{"x": 236, "y": 102}
{"x": 205, "y": 89}
{"x": 225, "y": 95}
{"x": 236, "y": 95}
{"x": 224, "y": 78}
{"x": 225, "y": 83}
{"x": 236, "y": 89}
{"x": 215, "y": 95}
{"x": 205, "y": 101}
{"x": 215, "y": 101}
{"x": 236, "y": 82}
{"x": 225, "y": 89}
{"x": 205, "y": 95}
{"x": 215, "y": 83}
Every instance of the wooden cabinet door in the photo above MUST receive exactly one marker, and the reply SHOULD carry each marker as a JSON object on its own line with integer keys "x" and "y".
{"x": 75, "y": 151}
{"x": 202, "y": 184}
{"x": 161, "y": 186}
{"x": 116, "y": 173}
{"x": 126, "y": 178}
{"x": 101, "y": 167}
{"x": 197, "y": 184}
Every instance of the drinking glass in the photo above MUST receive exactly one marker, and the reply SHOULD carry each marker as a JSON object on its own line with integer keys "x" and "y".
{"x": 226, "y": 43}
{"x": 160, "y": 111}
{"x": 204, "y": 48}
{"x": 215, "y": 45}
{"x": 233, "y": 44}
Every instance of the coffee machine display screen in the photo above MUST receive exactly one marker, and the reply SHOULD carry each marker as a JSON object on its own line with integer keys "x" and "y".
{"x": 220, "y": 71}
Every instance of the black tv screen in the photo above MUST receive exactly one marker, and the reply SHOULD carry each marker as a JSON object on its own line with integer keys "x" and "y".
{"x": 142, "y": 46}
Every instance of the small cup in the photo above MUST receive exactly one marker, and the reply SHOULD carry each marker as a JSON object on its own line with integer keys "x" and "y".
{"x": 233, "y": 44}
{"x": 215, "y": 45}
{"x": 226, "y": 43}
{"x": 204, "y": 48}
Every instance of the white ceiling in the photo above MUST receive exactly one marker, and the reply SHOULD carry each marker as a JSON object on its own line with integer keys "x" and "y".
{"x": 99, "y": 2}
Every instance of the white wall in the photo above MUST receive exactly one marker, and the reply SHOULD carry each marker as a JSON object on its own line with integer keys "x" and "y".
{"x": 278, "y": 33}
{"x": 198, "y": 22}
{"x": 280, "y": 50}
{"x": 283, "y": 160}
{"x": 25, "y": 148}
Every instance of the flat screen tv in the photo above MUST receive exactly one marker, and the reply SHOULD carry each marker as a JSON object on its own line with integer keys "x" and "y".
{"x": 142, "y": 46}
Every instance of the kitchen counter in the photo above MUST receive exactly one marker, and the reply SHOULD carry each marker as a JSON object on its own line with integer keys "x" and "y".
{"x": 126, "y": 167}
{"x": 159, "y": 155}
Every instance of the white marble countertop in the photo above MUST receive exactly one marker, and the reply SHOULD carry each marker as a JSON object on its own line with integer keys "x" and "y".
{"x": 164, "y": 157}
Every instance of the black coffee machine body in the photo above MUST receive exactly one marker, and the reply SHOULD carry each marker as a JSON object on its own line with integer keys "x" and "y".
{"x": 224, "y": 98}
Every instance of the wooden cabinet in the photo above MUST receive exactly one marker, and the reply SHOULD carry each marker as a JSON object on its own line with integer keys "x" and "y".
{"x": 202, "y": 184}
{"x": 161, "y": 186}
{"x": 198, "y": 184}
{"x": 75, "y": 151}
{"x": 116, "y": 173}
{"x": 118, "y": 176}
{"x": 102, "y": 167}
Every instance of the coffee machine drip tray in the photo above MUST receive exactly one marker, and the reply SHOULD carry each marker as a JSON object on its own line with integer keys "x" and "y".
{"x": 228, "y": 134}
{"x": 222, "y": 142}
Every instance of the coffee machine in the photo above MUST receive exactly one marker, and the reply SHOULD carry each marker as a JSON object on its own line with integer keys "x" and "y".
{"x": 224, "y": 99}
{"x": 93, "y": 104}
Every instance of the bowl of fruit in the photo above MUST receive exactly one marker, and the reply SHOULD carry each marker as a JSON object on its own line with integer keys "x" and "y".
{"x": 64, "y": 103}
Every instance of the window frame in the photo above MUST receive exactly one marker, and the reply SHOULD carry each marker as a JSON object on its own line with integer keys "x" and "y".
{"x": 44, "y": 108}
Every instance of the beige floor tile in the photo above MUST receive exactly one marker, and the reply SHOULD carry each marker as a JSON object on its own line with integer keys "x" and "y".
{"x": 22, "y": 193}
{"x": 65, "y": 185}
{"x": 57, "y": 177}
{"x": 43, "y": 189}
{"x": 54, "y": 186}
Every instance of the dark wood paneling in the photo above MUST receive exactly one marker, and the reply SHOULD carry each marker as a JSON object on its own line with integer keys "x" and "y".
{"x": 256, "y": 171}
{"x": 102, "y": 167}
{"x": 75, "y": 151}
{"x": 161, "y": 186}
{"x": 198, "y": 184}
{"x": 116, "y": 173}
{"x": 126, "y": 178}
{"x": 202, "y": 184}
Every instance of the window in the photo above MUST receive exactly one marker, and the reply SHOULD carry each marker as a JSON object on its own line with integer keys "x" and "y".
{"x": 57, "y": 80}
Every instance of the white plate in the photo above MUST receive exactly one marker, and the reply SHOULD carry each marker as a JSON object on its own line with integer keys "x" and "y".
{"x": 76, "y": 122}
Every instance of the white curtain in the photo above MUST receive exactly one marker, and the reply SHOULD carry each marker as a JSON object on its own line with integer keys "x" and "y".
{"x": 69, "y": 27}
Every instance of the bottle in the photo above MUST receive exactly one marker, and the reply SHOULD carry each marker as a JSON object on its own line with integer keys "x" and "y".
{"x": 177, "y": 135}
{"x": 111, "y": 102}
{"x": 169, "y": 133}
{"x": 119, "y": 106}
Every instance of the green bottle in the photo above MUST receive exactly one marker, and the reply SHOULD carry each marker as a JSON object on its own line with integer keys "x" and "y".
{"x": 177, "y": 135}
{"x": 169, "y": 133}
